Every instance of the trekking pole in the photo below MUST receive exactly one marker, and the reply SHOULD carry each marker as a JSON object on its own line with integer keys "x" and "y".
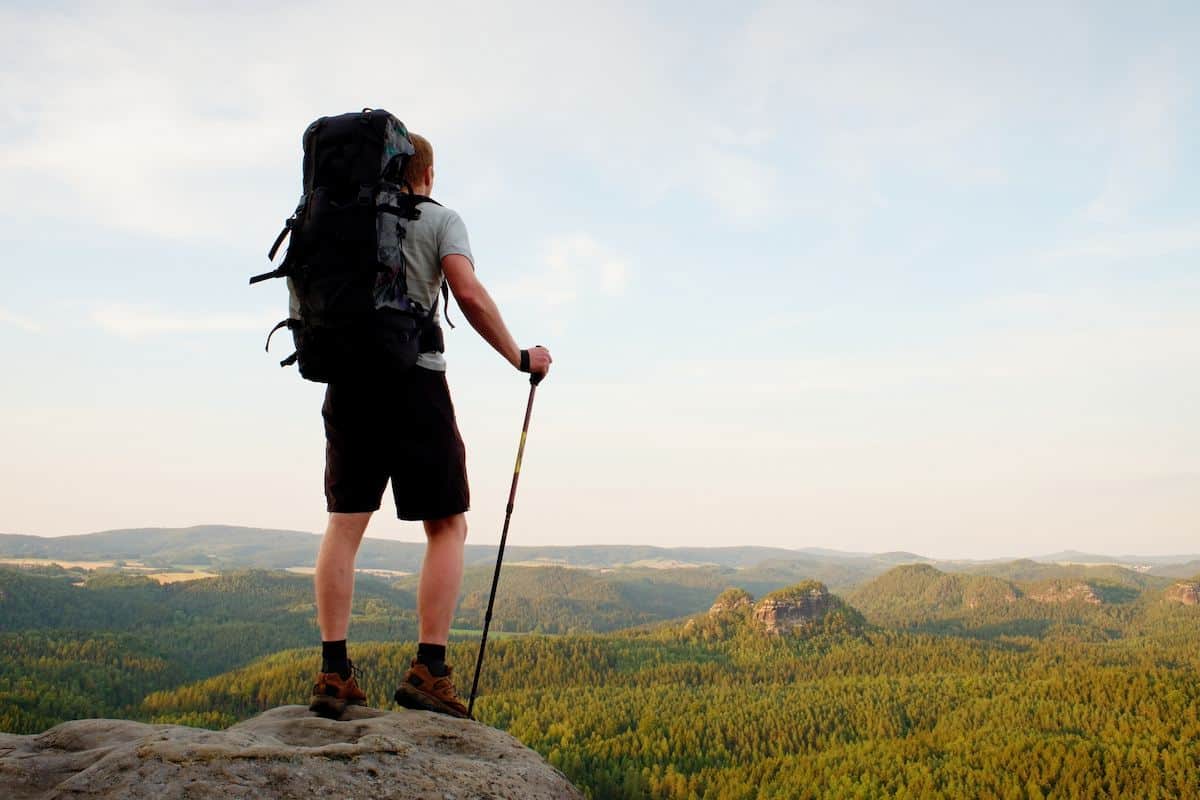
{"x": 534, "y": 380}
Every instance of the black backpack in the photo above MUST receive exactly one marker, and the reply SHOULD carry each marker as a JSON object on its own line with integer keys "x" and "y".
{"x": 350, "y": 314}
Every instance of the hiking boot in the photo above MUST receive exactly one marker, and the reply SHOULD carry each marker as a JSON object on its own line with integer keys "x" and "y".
{"x": 332, "y": 693}
{"x": 424, "y": 691}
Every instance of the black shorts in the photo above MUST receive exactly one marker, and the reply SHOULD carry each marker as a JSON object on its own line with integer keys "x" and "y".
{"x": 403, "y": 430}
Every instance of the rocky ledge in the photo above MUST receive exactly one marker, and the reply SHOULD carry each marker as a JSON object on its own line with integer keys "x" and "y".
{"x": 1185, "y": 592}
{"x": 284, "y": 753}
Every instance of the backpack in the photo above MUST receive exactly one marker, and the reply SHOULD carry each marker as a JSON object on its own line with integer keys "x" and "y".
{"x": 349, "y": 311}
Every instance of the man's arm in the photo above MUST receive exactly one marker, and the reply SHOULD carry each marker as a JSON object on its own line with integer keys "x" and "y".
{"x": 483, "y": 314}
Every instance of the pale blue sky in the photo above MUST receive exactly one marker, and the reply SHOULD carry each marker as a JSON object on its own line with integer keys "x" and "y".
{"x": 880, "y": 276}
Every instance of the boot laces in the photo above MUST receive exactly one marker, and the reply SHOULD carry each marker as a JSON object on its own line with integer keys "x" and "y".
{"x": 446, "y": 686}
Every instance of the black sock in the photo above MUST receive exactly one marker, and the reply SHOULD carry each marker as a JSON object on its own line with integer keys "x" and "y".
{"x": 334, "y": 659}
{"x": 432, "y": 656}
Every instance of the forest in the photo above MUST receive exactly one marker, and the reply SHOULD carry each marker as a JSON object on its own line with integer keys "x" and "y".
{"x": 1027, "y": 682}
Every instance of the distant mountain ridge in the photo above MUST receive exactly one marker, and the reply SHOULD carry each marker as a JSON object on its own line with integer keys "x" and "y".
{"x": 1078, "y": 557}
{"x": 229, "y": 546}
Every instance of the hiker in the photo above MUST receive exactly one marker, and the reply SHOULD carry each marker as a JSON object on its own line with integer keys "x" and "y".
{"x": 403, "y": 428}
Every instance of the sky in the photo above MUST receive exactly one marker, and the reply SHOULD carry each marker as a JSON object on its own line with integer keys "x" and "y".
{"x": 867, "y": 276}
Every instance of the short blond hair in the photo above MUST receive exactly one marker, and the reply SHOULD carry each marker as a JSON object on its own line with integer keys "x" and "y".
{"x": 418, "y": 162}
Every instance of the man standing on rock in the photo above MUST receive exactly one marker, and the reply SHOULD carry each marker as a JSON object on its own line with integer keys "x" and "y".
{"x": 403, "y": 429}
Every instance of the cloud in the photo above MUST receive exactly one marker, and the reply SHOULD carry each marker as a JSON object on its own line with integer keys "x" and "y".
{"x": 784, "y": 109}
{"x": 613, "y": 277}
{"x": 18, "y": 321}
{"x": 1121, "y": 245}
{"x": 1143, "y": 139}
{"x": 573, "y": 267}
{"x": 1053, "y": 346}
{"x": 193, "y": 126}
{"x": 969, "y": 96}
{"x": 135, "y": 322}
{"x": 741, "y": 185}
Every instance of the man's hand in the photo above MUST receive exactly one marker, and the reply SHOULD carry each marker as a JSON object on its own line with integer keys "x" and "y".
{"x": 539, "y": 361}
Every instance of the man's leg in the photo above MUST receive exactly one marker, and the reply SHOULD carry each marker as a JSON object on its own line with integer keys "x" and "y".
{"x": 426, "y": 685}
{"x": 441, "y": 577}
{"x": 334, "y": 578}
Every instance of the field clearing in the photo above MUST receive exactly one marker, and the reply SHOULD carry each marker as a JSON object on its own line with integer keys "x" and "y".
{"x": 179, "y": 577}
{"x": 669, "y": 563}
{"x": 378, "y": 573}
{"x": 127, "y": 567}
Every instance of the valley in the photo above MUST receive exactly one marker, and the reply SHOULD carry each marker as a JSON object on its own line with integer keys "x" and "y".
{"x": 819, "y": 675}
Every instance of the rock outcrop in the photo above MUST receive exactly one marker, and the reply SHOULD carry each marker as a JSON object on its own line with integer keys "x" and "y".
{"x": 802, "y": 609}
{"x": 798, "y": 609}
{"x": 1185, "y": 592}
{"x": 284, "y": 753}
{"x": 1061, "y": 592}
{"x": 732, "y": 599}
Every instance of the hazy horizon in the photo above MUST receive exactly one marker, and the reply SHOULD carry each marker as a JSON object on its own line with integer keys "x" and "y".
{"x": 1130, "y": 555}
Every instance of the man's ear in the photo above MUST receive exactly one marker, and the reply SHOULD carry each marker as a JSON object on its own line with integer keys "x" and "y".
{"x": 429, "y": 175}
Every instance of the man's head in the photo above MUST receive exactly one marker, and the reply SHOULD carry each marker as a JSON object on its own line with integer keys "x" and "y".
{"x": 418, "y": 172}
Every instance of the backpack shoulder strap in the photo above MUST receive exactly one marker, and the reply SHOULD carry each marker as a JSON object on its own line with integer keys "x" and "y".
{"x": 417, "y": 200}
{"x": 446, "y": 301}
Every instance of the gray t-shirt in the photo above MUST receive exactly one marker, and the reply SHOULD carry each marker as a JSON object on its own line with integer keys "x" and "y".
{"x": 438, "y": 233}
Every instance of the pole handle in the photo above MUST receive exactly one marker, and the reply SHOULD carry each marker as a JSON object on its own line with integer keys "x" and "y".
{"x": 536, "y": 377}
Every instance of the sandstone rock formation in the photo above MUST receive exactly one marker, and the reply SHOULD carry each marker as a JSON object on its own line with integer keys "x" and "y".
{"x": 285, "y": 753}
{"x": 732, "y": 599}
{"x": 1060, "y": 592}
{"x": 799, "y": 609}
{"x": 1185, "y": 592}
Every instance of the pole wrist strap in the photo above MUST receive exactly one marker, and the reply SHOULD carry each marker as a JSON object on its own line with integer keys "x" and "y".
{"x": 524, "y": 361}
